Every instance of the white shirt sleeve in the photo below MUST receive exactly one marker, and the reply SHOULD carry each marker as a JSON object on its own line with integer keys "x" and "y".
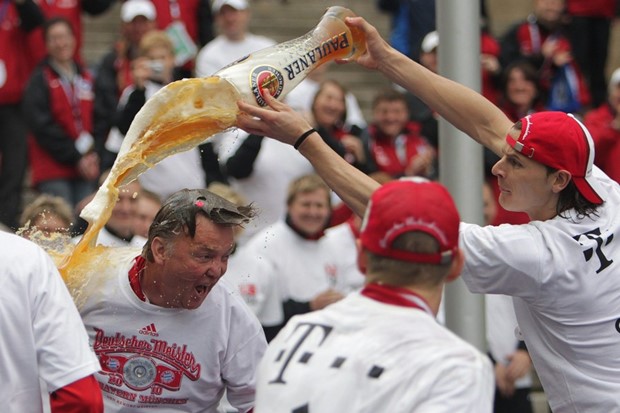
{"x": 63, "y": 352}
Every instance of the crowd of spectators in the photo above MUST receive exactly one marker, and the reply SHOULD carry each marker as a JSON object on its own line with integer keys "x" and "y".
{"x": 61, "y": 125}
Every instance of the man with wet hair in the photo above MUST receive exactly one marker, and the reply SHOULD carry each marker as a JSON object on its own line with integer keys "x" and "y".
{"x": 159, "y": 340}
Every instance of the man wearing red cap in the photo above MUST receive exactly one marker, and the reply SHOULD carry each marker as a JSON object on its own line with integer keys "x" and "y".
{"x": 346, "y": 358}
{"x": 561, "y": 268}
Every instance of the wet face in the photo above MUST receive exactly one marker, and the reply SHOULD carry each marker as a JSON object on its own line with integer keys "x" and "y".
{"x": 233, "y": 23}
{"x": 192, "y": 266}
{"x": 519, "y": 90}
{"x": 329, "y": 106}
{"x": 60, "y": 42}
{"x": 309, "y": 211}
{"x": 391, "y": 117}
{"x": 525, "y": 185}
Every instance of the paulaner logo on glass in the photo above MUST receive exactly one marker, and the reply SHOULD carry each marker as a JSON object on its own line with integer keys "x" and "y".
{"x": 338, "y": 42}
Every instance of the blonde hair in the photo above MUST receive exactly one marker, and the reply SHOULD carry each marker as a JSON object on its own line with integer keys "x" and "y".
{"x": 47, "y": 204}
{"x": 306, "y": 184}
{"x": 153, "y": 39}
{"x": 226, "y": 192}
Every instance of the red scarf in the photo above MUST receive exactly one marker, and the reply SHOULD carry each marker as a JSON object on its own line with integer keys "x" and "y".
{"x": 396, "y": 296}
{"x": 134, "y": 277}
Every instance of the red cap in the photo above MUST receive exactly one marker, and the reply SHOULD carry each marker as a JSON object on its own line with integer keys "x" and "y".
{"x": 411, "y": 205}
{"x": 559, "y": 140}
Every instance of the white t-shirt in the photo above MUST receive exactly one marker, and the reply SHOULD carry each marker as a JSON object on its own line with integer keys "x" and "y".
{"x": 160, "y": 359}
{"x": 502, "y": 340}
{"x": 363, "y": 356}
{"x": 41, "y": 334}
{"x": 221, "y": 51}
{"x": 275, "y": 167}
{"x": 342, "y": 244}
{"x": 277, "y": 264}
{"x": 565, "y": 280}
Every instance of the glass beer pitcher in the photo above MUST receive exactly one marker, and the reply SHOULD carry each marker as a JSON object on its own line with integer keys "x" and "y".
{"x": 281, "y": 67}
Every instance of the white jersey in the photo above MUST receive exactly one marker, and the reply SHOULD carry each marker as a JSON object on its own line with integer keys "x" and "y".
{"x": 565, "y": 280}
{"x": 275, "y": 167}
{"x": 257, "y": 285}
{"x": 277, "y": 264}
{"x": 221, "y": 51}
{"x": 159, "y": 359}
{"x": 502, "y": 330}
{"x": 342, "y": 244}
{"x": 363, "y": 356}
{"x": 41, "y": 334}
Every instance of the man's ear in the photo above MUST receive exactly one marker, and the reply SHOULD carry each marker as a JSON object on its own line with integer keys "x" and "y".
{"x": 456, "y": 267}
{"x": 158, "y": 248}
{"x": 562, "y": 178}
{"x": 362, "y": 258}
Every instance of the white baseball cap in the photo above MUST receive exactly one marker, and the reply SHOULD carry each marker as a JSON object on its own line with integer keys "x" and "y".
{"x": 430, "y": 42}
{"x": 134, "y": 8}
{"x": 235, "y": 4}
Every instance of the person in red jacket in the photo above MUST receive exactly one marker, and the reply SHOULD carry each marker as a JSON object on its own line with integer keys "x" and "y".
{"x": 395, "y": 143}
{"x": 17, "y": 17}
{"x": 604, "y": 124}
{"x": 541, "y": 39}
{"x": 58, "y": 105}
{"x": 70, "y": 10}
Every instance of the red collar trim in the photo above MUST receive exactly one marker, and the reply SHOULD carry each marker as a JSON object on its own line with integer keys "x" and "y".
{"x": 396, "y": 296}
{"x": 134, "y": 277}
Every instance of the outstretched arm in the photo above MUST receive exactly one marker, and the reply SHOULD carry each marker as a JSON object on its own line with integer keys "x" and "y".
{"x": 465, "y": 109}
{"x": 281, "y": 122}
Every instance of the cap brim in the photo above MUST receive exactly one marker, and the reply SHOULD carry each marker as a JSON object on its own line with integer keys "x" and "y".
{"x": 590, "y": 188}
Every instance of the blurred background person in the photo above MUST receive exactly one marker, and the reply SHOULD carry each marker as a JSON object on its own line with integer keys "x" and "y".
{"x": 589, "y": 31}
{"x": 234, "y": 41}
{"x": 300, "y": 98}
{"x": 114, "y": 71}
{"x": 118, "y": 231}
{"x": 604, "y": 125}
{"x": 329, "y": 114}
{"x": 411, "y": 21}
{"x": 152, "y": 70}
{"x": 521, "y": 94}
{"x": 146, "y": 206}
{"x": 16, "y": 64}
{"x": 395, "y": 143}
{"x": 542, "y": 40}
{"x": 70, "y": 10}
{"x": 290, "y": 259}
{"x": 58, "y": 104}
{"x": 47, "y": 215}
{"x": 189, "y": 23}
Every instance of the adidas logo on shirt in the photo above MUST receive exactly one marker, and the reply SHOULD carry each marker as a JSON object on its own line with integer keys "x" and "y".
{"x": 149, "y": 330}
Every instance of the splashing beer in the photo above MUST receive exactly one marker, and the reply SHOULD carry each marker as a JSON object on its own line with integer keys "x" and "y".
{"x": 185, "y": 113}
